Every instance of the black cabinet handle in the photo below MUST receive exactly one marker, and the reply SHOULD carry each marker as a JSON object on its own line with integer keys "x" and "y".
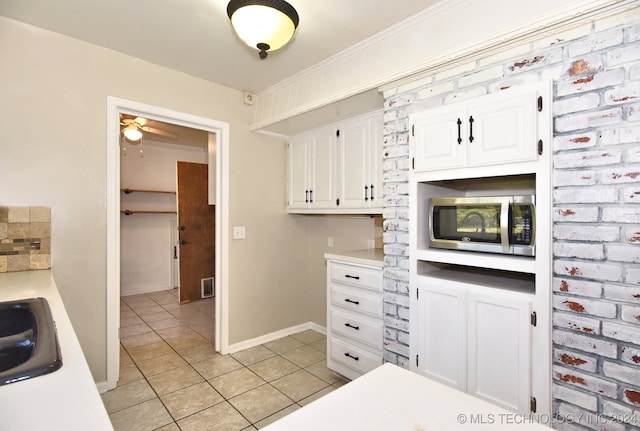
{"x": 182, "y": 242}
{"x": 306, "y": 196}
{"x": 470, "y": 129}
{"x": 366, "y": 193}
{"x": 372, "y": 197}
{"x": 459, "y": 131}
{"x": 311, "y": 196}
{"x": 181, "y": 228}
{"x": 355, "y": 277}
{"x": 355, "y": 358}
{"x": 349, "y": 325}
{"x": 352, "y": 301}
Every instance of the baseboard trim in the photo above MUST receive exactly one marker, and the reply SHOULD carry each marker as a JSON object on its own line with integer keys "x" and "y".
{"x": 102, "y": 386}
{"x": 247, "y": 344}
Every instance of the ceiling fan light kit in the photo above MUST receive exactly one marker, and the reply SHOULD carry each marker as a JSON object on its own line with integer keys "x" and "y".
{"x": 132, "y": 132}
{"x": 265, "y": 25}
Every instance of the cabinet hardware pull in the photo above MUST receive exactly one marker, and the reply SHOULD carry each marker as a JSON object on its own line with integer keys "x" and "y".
{"x": 352, "y": 301}
{"x": 349, "y": 325}
{"x": 355, "y": 358}
{"x": 459, "y": 132}
{"x": 366, "y": 193}
{"x": 540, "y": 147}
{"x": 311, "y": 196}
{"x": 306, "y": 196}
{"x": 182, "y": 242}
{"x": 181, "y": 228}
{"x": 471, "y": 129}
{"x": 355, "y": 277}
{"x": 372, "y": 198}
{"x": 539, "y": 103}
{"x": 175, "y": 252}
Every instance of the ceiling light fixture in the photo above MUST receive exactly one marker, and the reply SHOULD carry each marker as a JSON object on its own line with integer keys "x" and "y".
{"x": 265, "y": 25}
{"x": 132, "y": 132}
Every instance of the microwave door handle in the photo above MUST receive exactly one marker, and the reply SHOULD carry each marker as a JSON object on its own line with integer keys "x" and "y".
{"x": 504, "y": 225}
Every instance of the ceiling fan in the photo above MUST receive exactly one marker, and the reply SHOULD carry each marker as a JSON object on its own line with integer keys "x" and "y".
{"x": 134, "y": 127}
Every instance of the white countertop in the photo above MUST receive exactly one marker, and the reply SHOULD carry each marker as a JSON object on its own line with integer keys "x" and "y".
{"x": 391, "y": 398}
{"x": 66, "y": 399}
{"x": 369, "y": 256}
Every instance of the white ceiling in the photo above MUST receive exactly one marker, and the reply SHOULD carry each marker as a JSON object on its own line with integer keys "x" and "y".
{"x": 195, "y": 36}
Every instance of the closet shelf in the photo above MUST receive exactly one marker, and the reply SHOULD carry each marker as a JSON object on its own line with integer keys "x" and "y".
{"x": 129, "y": 191}
{"x": 129, "y": 212}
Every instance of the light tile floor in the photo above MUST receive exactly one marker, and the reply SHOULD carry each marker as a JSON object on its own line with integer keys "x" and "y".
{"x": 172, "y": 379}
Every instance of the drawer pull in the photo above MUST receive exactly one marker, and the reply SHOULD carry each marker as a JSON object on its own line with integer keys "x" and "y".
{"x": 355, "y": 277}
{"x": 349, "y": 325}
{"x": 355, "y": 358}
{"x": 352, "y": 301}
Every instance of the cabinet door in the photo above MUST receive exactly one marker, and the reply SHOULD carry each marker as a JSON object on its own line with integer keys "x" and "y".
{"x": 442, "y": 343}
{"x": 375, "y": 158}
{"x": 322, "y": 183}
{"x": 438, "y": 139}
{"x": 353, "y": 167}
{"x": 500, "y": 350}
{"x": 502, "y": 129}
{"x": 298, "y": 192}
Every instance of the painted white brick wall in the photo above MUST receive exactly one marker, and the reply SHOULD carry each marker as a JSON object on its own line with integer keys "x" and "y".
{"x": 596, "y": 288}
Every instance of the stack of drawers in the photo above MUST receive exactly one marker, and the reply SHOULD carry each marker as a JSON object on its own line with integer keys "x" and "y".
{"x": 354, "y": 318}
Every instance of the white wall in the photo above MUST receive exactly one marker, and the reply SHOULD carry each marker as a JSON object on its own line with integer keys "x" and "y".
{"x": 53, "y": 108}
{"x": 146, "y": 241}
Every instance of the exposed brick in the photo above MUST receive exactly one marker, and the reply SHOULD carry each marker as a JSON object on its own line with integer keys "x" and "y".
{"x": 630, "y": 355}
{"x": 578, "y": 360}
{"x": 576, "y": 104}
{"x": 435, "y": 90}
{"x": 579, "y": 250}
{"x": 628, "y": 214}
{"x": 632, "y": 235}
{"x": 584, "y": 381}
{"x": 624, "y": 253}
{"x": 575, "y": 214}
{"x": 633, "y": 276}
{"x": 586, "y": 195}
{"x": 631, "y": 195}
{"x": 588, "y": 159}
{"x": 596, "y": 42}
{"x": 587, "y": 233}
{"x": 537, "y": 61}
{"x": 585, "y": 306}
{"x": 618, "y": 96}
{"x": 622, "y": 413}
{"x": 622, "y": 373}
{"x": 630, "y": 174}
{"x": 576, "y": 323}
{"x": 593, "y": 271}
{"x": 577, "y": 287}
{"x": 633, "y": 111}
{"x": 631, "y": 314}
{"x": 626, "y": 54}
{"x": 574, "y": 142}
{"x": 590, "y": 82}
{"x": 581, "y": 121}
{"x": 581, "y": 399}
{"x": 623, "y": 332}
{"x": 627, "y": 294}
{"x": 574, "y": 178}
{"x": 586, "y": 343}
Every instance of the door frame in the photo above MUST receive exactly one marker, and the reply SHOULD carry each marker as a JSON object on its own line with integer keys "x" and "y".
{"x": 115, "y": 107}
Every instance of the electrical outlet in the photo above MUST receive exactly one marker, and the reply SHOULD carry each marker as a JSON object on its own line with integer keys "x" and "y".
{"x": 238, "y": 232}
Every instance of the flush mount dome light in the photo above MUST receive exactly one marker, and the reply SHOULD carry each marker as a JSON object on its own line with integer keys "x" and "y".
{"x": 265, "y": 25}
{"x": 132, "y": 132}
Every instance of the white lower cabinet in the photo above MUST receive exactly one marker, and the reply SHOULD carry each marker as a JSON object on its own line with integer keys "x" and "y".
{"x": 354, "y": 318}
{"x": 476, "y": 339}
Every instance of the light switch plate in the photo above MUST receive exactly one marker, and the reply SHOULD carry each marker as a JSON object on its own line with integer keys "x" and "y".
{"x": 238, "y": 232}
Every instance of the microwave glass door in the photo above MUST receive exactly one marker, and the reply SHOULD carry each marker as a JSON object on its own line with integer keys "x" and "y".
{"x": 472, "y": 222}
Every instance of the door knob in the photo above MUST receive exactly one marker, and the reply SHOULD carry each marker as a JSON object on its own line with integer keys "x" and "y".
{"x": 181, "y": 228}
{"x": 182, "y": 242}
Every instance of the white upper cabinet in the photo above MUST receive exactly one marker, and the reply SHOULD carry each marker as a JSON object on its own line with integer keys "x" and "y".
{"x": 337, "y": 168}
{"x": 312, "y": 170}
{"x": 495, "y": 129}
{"x": 360, "y": 163}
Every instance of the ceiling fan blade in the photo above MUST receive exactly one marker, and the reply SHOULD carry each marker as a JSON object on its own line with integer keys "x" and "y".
{"x": 160, "y": 132}
{"x": 141, "y": 121}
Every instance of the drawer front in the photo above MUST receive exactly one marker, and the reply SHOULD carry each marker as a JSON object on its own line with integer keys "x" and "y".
{"x": 364, "y": 329}
{"x": 368, "y": 278}
{"x": 358, "y": 300}
{"x": 353, "y": 357}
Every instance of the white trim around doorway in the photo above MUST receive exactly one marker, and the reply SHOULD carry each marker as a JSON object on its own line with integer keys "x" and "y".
{"x": 115, "y": 107}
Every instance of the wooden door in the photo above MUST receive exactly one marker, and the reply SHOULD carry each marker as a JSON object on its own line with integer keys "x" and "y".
{"x": 196, "y": 227}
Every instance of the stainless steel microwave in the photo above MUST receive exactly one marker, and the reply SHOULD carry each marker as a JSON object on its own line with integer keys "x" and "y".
{"x": 491, "y": 224}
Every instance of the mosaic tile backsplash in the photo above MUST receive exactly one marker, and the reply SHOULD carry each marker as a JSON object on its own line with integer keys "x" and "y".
{"x": 25, "y": 238}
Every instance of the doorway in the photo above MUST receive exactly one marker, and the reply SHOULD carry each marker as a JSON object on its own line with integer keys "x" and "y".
{"x": 217, "y": 175}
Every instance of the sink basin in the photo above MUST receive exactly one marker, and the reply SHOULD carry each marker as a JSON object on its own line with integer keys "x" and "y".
{"x": 28, "y": 340}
